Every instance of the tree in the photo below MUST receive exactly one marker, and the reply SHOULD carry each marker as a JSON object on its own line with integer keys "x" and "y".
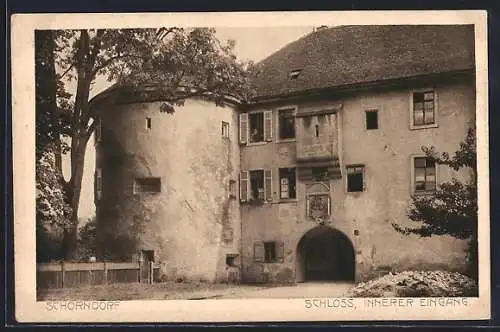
{"x": 452, "y": 209}
{"x": 52, "y": 102}
{"x": 174, "y": 57}
{"x": 52, "y": 210}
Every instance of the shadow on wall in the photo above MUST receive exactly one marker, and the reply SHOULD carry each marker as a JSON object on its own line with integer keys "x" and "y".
{"x": 118, "y": 226}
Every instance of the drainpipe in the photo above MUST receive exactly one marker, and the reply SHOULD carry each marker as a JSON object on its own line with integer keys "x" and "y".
{"x": 339, "y": 143}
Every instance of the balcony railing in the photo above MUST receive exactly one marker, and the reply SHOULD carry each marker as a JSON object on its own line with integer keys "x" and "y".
{"x": 323, "y": 151}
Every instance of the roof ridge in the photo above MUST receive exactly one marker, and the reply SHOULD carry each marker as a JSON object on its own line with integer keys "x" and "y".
{"x": 353, "y": 54}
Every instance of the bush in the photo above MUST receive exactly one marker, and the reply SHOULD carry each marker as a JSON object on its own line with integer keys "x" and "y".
{"x": 86, "y": 245}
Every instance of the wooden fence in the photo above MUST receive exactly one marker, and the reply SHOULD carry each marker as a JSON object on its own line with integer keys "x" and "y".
{"x": 66, "y": 275}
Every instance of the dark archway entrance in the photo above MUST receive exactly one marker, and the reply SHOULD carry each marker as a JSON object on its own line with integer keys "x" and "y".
{"x": 324, "y": 253}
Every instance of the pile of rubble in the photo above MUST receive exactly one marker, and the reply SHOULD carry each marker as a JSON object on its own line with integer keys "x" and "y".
{"x": 417, "y": 284}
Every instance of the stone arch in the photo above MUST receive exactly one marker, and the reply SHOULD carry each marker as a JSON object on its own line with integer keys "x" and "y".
{"x": 325, "y": 253}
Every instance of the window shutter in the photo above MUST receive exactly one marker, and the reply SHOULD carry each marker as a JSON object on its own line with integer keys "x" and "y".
{"x": 268, "y": 184}
{"x": 259, "y": 252}
{"x": 268, "y": 126}
{"x": 98, "y": 130}
{"x": 308, "y": 207}
{"x": 243, "y": 186}
{"x": 329, "y": 206}
{"x": 280, "y": 254}
{"x": 243, "y": 128}
{"x": 98, "y": 184}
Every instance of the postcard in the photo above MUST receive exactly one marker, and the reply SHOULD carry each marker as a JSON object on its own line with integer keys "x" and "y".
{"x": 251, "y": 167}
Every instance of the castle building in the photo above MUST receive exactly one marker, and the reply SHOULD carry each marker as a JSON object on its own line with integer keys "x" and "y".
{"x": 304, "y": 181}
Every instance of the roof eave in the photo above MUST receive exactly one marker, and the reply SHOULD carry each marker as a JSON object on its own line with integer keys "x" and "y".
{"x": 311, "y": 93}
{"x": 115, "y": 90}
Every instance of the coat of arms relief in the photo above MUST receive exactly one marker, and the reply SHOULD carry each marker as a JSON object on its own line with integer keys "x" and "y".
{"x": 318, "y": 203}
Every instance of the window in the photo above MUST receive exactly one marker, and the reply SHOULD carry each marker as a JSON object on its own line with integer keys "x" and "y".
{"x": 256, "y": 127}
{"x": 147, "y": 185}
{"x": 148, "y": 123}
{"x": 148, "y": 255}
{"x": 423, "y": 106}
{"x": 257, "y": 185}
{"x": 355, "y": 178}
{"x": 287, "y": 183}
{"x": 316, "y": 133}
{"x": 320, "y": 173}
{"x": 225, "y": 129}
{"x": 371, "y": 119}
{"x": 424, "y": 174}
{"x": 287, "y": 124}
{"x": 269, "y": 251}
{"x": 294, "y": 74}
{"x": 232, "y": 189}
{"x": 231, "y": 260}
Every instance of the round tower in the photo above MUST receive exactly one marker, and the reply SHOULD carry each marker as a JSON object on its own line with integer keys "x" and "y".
{"x": 166, "y": 184}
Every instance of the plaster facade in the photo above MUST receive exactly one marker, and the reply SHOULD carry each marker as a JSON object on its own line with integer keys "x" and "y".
{"x": 242, "y": 193}
{"x": 196, "y": 219}
{"x": 364, "y": 218}
{"x": 192, "y": 220}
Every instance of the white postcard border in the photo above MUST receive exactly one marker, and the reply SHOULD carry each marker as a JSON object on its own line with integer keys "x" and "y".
{"x": 27, "y": 309}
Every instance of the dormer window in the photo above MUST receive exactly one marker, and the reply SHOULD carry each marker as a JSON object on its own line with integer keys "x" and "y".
{"x": 322, "y": 27}
{"x": 294, "y": 74}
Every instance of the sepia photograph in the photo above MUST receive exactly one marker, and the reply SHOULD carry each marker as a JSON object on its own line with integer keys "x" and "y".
{"x": 331, "y": 164}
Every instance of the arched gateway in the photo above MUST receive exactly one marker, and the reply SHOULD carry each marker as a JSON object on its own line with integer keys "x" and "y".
{"x": 324, "y": 253}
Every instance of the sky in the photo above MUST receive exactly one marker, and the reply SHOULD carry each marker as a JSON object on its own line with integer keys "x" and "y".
{"x": 251, "y": 44}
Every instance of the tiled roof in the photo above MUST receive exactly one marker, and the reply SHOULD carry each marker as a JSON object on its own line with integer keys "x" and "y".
{"x": 351, "y": 55}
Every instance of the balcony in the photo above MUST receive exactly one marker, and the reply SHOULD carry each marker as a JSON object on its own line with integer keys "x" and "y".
{"x": 317, "y": 144}
{"x": 311, "y": 151}
{"x": 319, "y": 169}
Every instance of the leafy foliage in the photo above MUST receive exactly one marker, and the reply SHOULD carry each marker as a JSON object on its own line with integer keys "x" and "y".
{"x": 452, "y": 209}
{"x": 52, "y": 102}
{"x": 52, "y": 208}
{"x": 87, "y": 241}
{"x": 53, "y": 211}
{"x": 465, "y": 156}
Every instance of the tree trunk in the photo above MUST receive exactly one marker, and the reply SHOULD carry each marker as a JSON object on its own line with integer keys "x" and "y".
{"x": 80, "y": 136}
{"x": 74, "y": 189}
